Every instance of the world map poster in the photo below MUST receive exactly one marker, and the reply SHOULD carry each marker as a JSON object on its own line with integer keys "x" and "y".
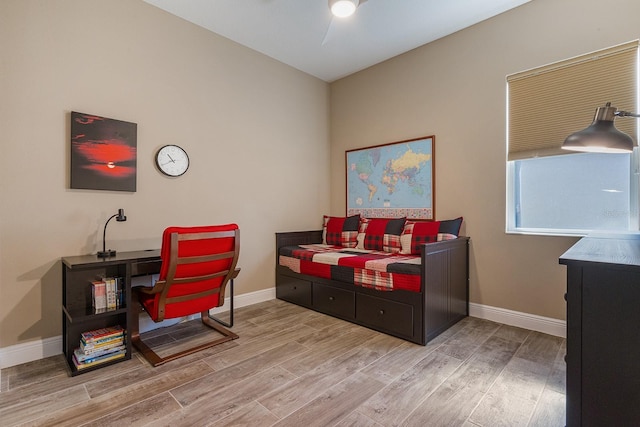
{"x": 392, "y": 180}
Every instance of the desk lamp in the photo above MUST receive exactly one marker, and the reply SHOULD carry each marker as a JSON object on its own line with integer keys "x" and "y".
{"x": 104, "y": 253}
{"x": 602, "y": 136}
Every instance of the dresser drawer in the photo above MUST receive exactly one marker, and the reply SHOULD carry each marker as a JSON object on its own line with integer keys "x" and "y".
{"x": 294, "y": 290}
{"x": 336, "y": 301}
{"x": 383, "y": 314}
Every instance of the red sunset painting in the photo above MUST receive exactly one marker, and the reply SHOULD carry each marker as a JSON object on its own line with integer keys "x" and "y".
{"x": 103, "y": 153}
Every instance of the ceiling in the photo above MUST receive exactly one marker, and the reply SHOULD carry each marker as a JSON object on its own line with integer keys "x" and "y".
{"x": 304, "y": 35}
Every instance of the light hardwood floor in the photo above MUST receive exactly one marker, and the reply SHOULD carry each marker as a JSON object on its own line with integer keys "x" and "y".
{"x": 295, "y": 367}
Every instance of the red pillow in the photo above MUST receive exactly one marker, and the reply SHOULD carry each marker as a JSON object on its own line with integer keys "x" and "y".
{"x": 380, "y": 234}
{"x": 417, "y": 233}
{"x": 340, "y": 231}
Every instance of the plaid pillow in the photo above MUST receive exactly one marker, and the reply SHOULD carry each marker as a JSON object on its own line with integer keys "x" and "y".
{"x": 380, "y": 234}
{"x": 340, "y": 231}
{"x": 417, "y": 233}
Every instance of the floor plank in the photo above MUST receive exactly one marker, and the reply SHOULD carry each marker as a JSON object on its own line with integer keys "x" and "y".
{"x": 402, "y": 396}
{"x": 296, "y": 367}
{"x": 334, "y": 404}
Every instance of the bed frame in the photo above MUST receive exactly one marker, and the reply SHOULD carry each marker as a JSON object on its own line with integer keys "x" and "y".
{"x": 414, "y": 316}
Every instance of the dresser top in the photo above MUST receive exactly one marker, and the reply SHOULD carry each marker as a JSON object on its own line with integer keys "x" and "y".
{"x": 619, "y": 249}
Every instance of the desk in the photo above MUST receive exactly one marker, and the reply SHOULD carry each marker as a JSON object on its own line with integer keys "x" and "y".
{"x": 78, "y": 314}
{"x": 603, "y": 325}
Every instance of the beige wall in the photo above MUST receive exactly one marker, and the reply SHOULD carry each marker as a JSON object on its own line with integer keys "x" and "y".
{"x": 454, "y": 89}
{"x": 257, "y": 132}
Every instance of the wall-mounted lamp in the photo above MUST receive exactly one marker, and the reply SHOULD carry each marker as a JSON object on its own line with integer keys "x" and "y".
{"x": 343, "y": 8}
{"x": 104, "y": 253}
{"x": 602, "y": 136}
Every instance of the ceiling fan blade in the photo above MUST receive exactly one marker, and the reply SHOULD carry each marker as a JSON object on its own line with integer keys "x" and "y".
{"x": 326, "y": 33}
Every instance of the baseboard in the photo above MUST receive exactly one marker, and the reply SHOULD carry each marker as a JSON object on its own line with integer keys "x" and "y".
{"x": 532, "y": 322}
{"x": 34, "y": 350}
{"x": 39, "y": 349}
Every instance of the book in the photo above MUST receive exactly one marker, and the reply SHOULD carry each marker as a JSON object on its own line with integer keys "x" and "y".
{"x": 95, "y": 347}
{"x": 111, "y": 293}
{"x": 98, "y": 361}
{"x": 83, "y": 357}
{"x": 102, "y": 333}
{"x": 99, "y": 294}
{"x": 120, "y": 292}
{"x": 103, "y": 341}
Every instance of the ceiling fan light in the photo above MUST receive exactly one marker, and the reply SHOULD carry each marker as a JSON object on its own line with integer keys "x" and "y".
{"x": 343, "y": 8}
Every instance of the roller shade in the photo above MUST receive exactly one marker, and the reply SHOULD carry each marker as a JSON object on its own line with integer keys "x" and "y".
{"x": 549, "y": 103}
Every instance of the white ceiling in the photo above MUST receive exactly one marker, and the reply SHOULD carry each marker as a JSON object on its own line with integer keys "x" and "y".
{"x": 304, "y": 35}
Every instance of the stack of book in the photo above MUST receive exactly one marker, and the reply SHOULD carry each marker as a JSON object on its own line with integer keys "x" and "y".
{"x": 100, "y": 346}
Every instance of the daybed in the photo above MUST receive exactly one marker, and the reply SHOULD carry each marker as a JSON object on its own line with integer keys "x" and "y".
{"x": 404, "y": 278}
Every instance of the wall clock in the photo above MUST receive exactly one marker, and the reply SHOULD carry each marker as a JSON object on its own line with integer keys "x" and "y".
{"x": 172, "y": 160}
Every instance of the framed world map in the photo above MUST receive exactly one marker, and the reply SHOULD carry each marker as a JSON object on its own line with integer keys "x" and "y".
{"x": 392, "y": 180}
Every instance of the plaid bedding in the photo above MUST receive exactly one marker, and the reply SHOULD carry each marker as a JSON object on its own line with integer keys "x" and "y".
{"x": 372, "y": 269}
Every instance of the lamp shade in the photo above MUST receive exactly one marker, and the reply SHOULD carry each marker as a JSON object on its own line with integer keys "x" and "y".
{"x": 601, "y": 136}
{"x": 343, "y": 8}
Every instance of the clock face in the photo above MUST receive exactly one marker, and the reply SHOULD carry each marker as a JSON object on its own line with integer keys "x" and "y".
{"x": 172, "y": 160}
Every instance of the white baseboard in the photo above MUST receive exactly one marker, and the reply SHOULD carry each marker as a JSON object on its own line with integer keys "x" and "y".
{"x": 532, "y": 322}
{"x": 39, "y": 349}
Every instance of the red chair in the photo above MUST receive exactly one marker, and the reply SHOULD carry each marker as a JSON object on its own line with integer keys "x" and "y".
{"x": 197, "y": 264}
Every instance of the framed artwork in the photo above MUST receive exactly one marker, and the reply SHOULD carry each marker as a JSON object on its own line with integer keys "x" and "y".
{"x": 392, "y": 180}
{"x": 103, "y": 153}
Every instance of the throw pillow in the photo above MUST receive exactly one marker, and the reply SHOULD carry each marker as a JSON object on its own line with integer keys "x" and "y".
{"x": 417, "y": 233}
{"x": 340, "y": 231}
{"x": 451, "y": 226}
{"x": 380, "y": 234}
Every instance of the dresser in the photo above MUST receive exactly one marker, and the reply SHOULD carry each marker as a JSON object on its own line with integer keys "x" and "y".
{"x": 603, "y": 331}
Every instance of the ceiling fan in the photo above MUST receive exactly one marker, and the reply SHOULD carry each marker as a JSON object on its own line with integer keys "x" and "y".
{"x": 341, "y": 9}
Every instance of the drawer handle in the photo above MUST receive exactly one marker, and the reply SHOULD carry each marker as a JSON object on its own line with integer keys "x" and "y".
{"x": 381, "y": 312}
{"x": 331, "y": 298}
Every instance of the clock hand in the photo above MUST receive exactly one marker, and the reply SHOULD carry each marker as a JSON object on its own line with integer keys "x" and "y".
{"x": 169, "y": 156}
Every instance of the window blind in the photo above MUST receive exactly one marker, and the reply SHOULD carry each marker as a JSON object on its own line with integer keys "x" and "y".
{"x": 549, "y": 103}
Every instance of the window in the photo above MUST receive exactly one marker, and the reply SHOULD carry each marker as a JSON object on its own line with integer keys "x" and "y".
{"x": 572, "y": 194}
{"x": 559, "y": 192}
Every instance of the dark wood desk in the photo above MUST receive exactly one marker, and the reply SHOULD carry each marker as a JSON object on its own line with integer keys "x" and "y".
{"x": 78, "y": 314}
{"x": 603, "y": 331}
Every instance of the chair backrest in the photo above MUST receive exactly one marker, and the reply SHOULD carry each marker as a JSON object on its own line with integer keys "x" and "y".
{"x": 197, "y": 264}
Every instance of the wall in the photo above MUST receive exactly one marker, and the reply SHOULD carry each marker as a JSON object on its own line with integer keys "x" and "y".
{"x": 454, "y": 88}
{"x": 257, "y": 132}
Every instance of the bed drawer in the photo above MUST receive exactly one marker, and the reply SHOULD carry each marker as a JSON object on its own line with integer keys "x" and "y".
{"x": 294, "y": 290}
{"x": 383, "y": 314}
{"x": 330, "y": 300}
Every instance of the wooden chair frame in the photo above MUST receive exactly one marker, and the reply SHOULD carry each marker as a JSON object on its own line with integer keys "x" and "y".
{"x": 163, "y": 286}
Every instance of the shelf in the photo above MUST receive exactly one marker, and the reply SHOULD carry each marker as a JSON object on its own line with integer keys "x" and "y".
{"x": 81, "y": 315}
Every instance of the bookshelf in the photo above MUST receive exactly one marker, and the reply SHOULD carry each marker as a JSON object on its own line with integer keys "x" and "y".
{"x": 78, "y": 314}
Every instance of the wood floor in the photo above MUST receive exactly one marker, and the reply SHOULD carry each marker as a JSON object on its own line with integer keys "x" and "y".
{"x": 295, "y": 367}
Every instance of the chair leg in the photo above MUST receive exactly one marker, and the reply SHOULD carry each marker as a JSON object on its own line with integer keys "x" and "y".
{"x": 222, "y": 322}
{"x": 156, "y": 360}
{"x": 137, "y": 342}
